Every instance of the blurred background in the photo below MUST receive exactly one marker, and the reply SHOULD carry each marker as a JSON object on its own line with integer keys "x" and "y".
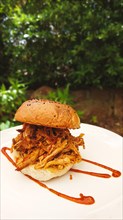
{"x": 68, "y": 51}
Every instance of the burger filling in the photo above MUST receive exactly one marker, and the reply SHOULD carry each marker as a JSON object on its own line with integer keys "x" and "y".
{"x": 45, "y": 147}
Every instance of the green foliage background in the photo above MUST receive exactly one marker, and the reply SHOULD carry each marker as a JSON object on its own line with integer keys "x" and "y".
{"x": 63, "y": 41}
{"x": 59, "y": 43}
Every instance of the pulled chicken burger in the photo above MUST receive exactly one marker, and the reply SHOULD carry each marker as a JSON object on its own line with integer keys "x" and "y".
{"x": 44, "y": 147}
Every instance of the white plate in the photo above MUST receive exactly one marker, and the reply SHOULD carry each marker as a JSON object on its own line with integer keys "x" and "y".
{"x": 22, "y": 198}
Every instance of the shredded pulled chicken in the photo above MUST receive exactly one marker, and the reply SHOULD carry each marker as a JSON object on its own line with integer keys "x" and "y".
{"x": 46, "y": 147}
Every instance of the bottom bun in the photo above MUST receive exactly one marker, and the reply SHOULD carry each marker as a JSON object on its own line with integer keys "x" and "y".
{"x": 42, "y": 174}
{"x": 45, "y": 174}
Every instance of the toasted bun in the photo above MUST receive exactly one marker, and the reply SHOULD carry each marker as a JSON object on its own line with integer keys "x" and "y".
{"x": 42, "y": 174}
{"x": 48, "y": 113}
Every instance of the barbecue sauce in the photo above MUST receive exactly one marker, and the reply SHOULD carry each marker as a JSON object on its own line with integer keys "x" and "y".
{"x": 115, "y": 173}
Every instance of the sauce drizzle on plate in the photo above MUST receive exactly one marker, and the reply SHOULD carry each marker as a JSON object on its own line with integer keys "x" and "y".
{"x": 115, "y": 173}
{"x": 86, "y": 200}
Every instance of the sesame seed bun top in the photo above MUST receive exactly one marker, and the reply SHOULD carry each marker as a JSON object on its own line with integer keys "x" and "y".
{"x": 48, "y": 113}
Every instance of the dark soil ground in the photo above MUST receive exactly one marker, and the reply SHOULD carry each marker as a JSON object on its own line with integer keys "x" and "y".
{"x": 103, "y": 108}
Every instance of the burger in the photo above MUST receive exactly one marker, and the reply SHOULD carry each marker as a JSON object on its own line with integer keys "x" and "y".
{"x": 44, "y": 147}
